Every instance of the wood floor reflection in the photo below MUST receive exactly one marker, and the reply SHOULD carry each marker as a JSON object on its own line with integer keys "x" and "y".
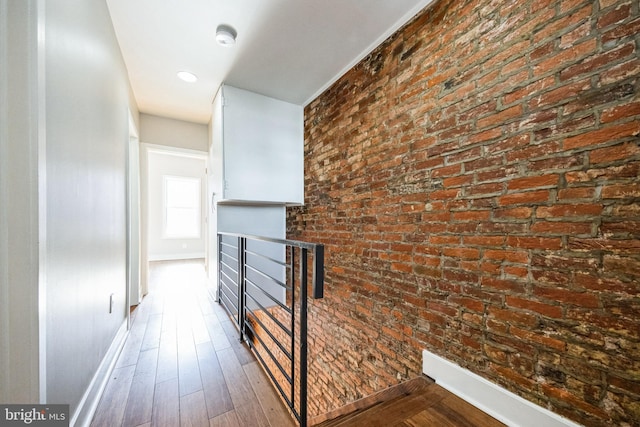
{"x": 183, "y": 365}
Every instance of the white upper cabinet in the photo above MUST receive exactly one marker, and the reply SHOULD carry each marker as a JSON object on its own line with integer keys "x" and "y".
{"x": 257, "y": 148}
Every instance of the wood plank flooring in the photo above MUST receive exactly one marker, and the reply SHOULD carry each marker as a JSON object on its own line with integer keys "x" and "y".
{"x": 419, "y": 402}
{"x": 183, "y": 365}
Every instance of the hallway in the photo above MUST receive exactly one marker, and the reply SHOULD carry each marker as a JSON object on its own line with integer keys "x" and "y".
{"x": 182, "y": 364}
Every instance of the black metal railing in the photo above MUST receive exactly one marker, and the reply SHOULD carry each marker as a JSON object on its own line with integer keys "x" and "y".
{"x": 264, "y": 285}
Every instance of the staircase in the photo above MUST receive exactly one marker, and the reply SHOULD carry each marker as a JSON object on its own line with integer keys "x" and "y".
{"x": 418, "y": 402}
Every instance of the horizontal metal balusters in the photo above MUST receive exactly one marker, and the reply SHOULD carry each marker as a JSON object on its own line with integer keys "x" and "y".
{"x": 263, "y": 285}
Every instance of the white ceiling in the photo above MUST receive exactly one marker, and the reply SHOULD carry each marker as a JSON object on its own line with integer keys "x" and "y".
{"x": 287, "y": 49}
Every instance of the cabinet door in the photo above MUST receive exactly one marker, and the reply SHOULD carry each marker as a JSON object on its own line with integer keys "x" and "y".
{"x": 263, "y": 148}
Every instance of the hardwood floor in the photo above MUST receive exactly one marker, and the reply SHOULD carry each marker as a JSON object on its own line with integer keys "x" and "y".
{"x": 416, "y": 403}
{"x": 182, "y": 364}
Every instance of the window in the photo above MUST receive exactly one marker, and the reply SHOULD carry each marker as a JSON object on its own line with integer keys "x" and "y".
{"x": 181, "y": 207}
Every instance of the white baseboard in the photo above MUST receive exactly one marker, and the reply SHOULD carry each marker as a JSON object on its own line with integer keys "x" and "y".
{"x": 83, "y": 415}
{"x": 171, "y": 257}
{"x": 496, "y": 401}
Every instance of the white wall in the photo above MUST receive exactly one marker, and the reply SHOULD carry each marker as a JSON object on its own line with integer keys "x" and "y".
{"x": 87, "y": 133}
{"x": 19, "y": 142}
{"x": 173, "y": 163}
{"x": 63, "y": 200}
{"x": 174, "y": 133}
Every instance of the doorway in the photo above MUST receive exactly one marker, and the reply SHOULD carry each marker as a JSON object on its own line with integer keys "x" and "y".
{"x": 168, "y": 175}
{"x": 134, "y": 260}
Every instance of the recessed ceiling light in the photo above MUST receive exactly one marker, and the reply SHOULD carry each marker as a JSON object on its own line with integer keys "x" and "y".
{"x": 187, "y": 76}
{"x": 225, "y": 35}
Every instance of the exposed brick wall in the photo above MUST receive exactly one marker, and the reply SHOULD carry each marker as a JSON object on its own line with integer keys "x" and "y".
{"x": 476, "y": 183}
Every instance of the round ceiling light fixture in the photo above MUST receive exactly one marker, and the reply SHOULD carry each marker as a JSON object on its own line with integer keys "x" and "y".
{"x": 225, "y": 35}
{"x": 187, "y": 76}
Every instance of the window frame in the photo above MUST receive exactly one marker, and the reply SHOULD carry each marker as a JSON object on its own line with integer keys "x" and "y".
{"x": 165, "y": 206}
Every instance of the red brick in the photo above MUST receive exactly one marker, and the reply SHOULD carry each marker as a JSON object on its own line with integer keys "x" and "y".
{"x": 621, "y": 191}
{"x": 614, "y": 16}
{"x": 569, "y": 210}
{"x": 460, "y": 276}
{"x": 599, "y": 136}
{"x": 582, "y": 299}
{"x": 561, "y": 228}
{"x": 485, "y": 162}
{"x": 620, "y": 72}
{"x": 471, "y": 215}
{"x": 543, "y": 243}
{"x": 507, "y": 255}
{"x": 554, "y": 311}
{"x": 513, "y": 317}
{"x": 456, "y": 132}
{"x": 598, "y": 61}
{"x": 559, "y": 95}
{"x": 617, "y": 246}
{"x": 511, "y": 286}
{"x": 392, "y": 333}
{"x": 444, "y": 194}
{"x": 396, "y": 266}
{"x": 465, "y": 253}
{"x": 621, "y": 229}
{"x": 484, "y": 136}
{"x": 515, "y": 271}
{"x": 625, "y": 384}
{"x": 565, "y": 396}
{"x": 568, "y": 5}
{"x": 579, "y": 33}
{"x": 441, "y": 308}
{"x": 512, "y": 376}
{"x": 484, "y": 240}
{"x": 508, "y": 143}
{"x": 517, "y": 213}
{"x": 485, "y": 189}
{"x": 557, "y": 25}
{"x": 524, "y": 198}
{"x": 457, "y": 181}
{"x": 538, "y": 338}
{"x": 604, "y": 4}
{"x": 453, "y": 170}
{"x": 482, "y": 211}
{"x": 561, "y": 263}
{"x": 576, "y": 193}
{"x": 626, "y": 211}
{"x": 490, "y": 268}
{"x": 444, "y": 240}
{"x": 500, "y": 117}
{"x": 469, "y": 303}
{"x": 619, "y": 112}
{"x": 616, "y": 172}
{"x": 561, "y": 59}
{"x": 533, "y": 182}
{"x": 495, "y": 354}
{"x": 543, "y": 119}
{"x": 542, "y": 150}
{"x": 551, "y": 278}
{"x": 529, "y": 90}
{"x": 622, "y": 30}
{"x": 606, "y": 321}
{"x": 622, "y": 266}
